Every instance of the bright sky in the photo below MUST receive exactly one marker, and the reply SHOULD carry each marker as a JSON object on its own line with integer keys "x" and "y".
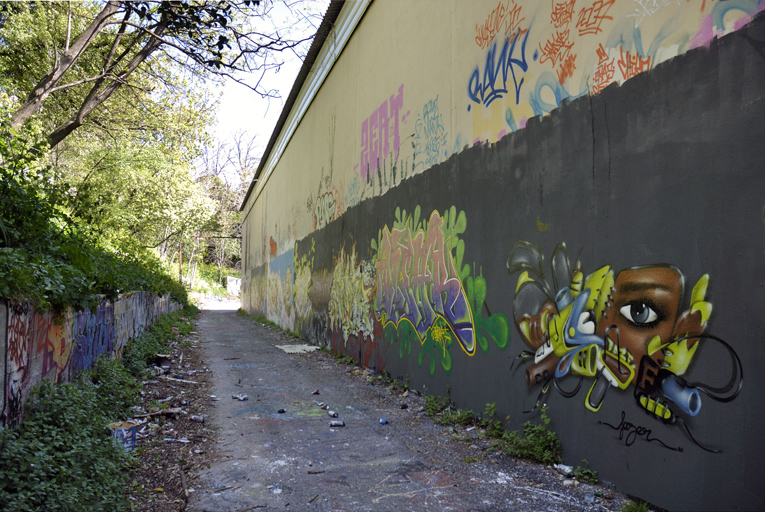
{"x": 243, "y": 110}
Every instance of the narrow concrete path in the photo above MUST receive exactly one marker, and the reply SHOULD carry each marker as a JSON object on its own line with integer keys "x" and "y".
{"x": 294, "y": 460}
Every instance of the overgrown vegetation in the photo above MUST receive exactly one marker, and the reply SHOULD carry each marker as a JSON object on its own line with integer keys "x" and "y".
{"x": 49, "y": 256}
{"x": 62, "y": 457}
{"x": 534, "y": 442}
{"x": 141, "y": 351}
{"x": 585, "y": 474}
{"x": 635, "y": 506}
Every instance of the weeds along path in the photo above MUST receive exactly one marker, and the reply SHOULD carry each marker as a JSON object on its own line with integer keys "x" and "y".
{"x": 278, "y": 450}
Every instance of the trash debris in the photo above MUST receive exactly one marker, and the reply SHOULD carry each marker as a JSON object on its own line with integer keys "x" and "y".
{"x": 241, "y": 397}
{"x": 176, "y": 440}
{"x": 124, "y": 433}
{"x": 383, "y": 421}
{"x": 404, "y": 406}
{"x": 316, "y": 392}
{"x": 336, "y": 423}
{"x": 281, "y": 411}
{"x": 563, "y": 469}
{"x": 165, "y": 399}
{"x": 162, "y": 360}
{"x": 172, "y": 411}
{"x": 191, "y": 373}
{"x": 179, "y": 378}
{"x": 176, "y": 331}
{"x": 321, "y": 405}
{"x": 197, "y": 418}
{"x": 332, "y": 414}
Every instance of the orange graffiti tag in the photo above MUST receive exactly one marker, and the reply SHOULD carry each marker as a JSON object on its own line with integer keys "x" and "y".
{"x": 556, "y": 49}
{"x": 504, "y": 18}
{"x": 604, "y": 74}
{"x": 567, "y": 68}
{"x": 591, "y": 18}
{"x": 631, "y": 65}
{"x": 562, "y": 13}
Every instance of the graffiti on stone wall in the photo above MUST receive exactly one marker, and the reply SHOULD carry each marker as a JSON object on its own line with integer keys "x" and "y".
{"x": 43, "y": 345}
{"x": 17, "y": 360}
{"x": 429, "y": 137}
{"x": 619, "y": 329}
{"x": 425, "y": 293}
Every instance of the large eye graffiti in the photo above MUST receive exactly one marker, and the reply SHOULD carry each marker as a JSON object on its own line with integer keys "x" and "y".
{"x": 640, "y": 313}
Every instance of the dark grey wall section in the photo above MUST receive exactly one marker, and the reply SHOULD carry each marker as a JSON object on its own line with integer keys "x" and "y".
{"x": 666, "y": 169}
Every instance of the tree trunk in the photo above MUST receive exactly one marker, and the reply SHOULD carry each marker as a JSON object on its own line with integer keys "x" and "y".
{"x": 45, "y": 86}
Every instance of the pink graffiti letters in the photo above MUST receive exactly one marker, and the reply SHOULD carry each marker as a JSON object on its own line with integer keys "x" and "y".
{"x": 376, "y": 132}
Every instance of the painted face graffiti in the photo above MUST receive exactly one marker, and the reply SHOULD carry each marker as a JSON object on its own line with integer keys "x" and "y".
{"x": 630, "y": 330}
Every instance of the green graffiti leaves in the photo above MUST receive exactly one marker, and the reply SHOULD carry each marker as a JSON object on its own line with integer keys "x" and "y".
{"x": 404, "y": 335}
{"x": 454, "y": 225}
{"x": 496, "y": 326}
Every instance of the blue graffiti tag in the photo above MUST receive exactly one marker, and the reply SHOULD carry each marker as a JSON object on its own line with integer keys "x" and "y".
{"x": 491, "y": 88}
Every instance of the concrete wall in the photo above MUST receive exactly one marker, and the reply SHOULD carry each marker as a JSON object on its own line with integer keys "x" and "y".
{"x": 610, "y": 234}
{"x": 40, "y": 345}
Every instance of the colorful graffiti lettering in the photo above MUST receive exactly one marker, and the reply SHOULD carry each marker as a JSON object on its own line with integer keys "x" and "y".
{"x": 302, "y": 286}
{"x": 621, "y": 330}
{"x": 279, "y": 288}
{"x": 417, "y": 282}
{"x": 429, "y": 137}
{"x": 420, "y": 292}
{"x": 495, "y": 74}
{"x": 41, "y": 345}
{"x": 377, "y": 131}
{"x": 17, "y": 357}
{"x": 352, "y": 292}
{"x": 505, "y": 19}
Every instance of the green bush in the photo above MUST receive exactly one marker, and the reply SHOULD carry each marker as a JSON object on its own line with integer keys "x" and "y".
{"x": 117, "y": 389}
{"x": 141, "y": 351}
{"x": 62, "y": 457}
{"x": 535, "y": 443}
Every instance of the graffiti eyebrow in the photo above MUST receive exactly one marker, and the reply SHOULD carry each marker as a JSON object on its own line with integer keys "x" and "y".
{"x": 639, "y": 287}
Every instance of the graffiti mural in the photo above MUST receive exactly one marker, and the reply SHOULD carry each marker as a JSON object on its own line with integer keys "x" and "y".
{"x": 578, "y": 47}
{"x": 620, "y": 329}
{"x": 420, "y": 292}
{"x": 18, "y": 347}
{"x": 57, "y": 347}
{"x": 350, "y": 310}
{"x": 279, "y": 292}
